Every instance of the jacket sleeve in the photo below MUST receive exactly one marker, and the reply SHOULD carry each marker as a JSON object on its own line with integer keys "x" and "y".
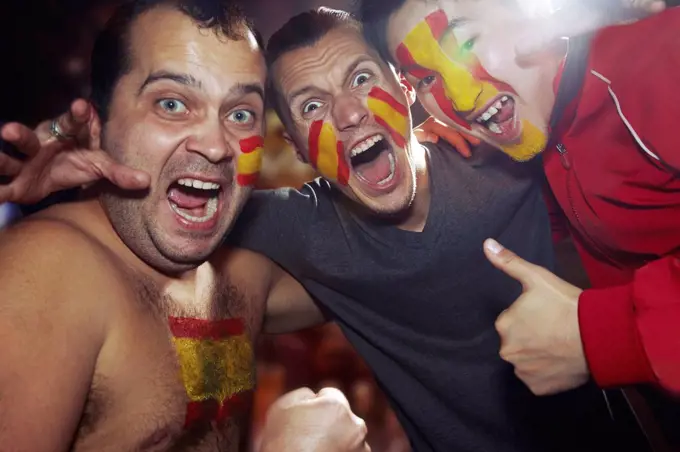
{"x": 631, "y": 333}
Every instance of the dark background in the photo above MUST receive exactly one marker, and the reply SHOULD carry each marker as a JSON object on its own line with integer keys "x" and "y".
{"x": 45, "y": 46}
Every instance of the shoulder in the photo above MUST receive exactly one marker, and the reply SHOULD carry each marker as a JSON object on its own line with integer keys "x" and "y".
{"x": 50, "y": 267}
{"x": 636, "y": 51}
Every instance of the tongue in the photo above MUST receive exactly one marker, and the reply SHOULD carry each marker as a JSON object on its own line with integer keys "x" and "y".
{"x": 376, "y": 170}
{"x": 186, "y": 200}
{"x": 505, "y": 113}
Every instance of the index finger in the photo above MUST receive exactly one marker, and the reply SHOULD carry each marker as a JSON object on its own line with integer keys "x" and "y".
{"x": 71, "y": 123}
{"x": 21, "y": 137}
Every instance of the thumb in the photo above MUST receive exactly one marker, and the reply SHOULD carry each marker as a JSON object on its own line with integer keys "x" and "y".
{"x": 510, "y": 263}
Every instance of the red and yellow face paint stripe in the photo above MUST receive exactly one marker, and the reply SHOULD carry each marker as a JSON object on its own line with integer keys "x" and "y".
{"x": 462, "y": 84}
{"x": 249, "y": 161}
{"x": 216, "y": 363}
{"x": 390, "y": 114}
{"x": 327, "y": 154}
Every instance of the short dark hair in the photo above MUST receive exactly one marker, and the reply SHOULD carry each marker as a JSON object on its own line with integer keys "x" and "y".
{"x": 111, "y": 52}
{"x": 303, "y": 30}
{"x": 374, "y": 16}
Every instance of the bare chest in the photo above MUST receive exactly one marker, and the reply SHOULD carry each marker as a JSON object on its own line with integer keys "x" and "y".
{"x": 178, "y": 370}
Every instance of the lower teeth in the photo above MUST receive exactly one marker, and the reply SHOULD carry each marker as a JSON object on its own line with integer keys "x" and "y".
{"x": 494, "y": 128}
{"x": 210, "y": 209}
{"x": 390, "y": 157}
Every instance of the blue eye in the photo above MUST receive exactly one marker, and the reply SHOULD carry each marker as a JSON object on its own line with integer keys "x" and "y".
{"x": 173, "y": 106}
{"x": 360, "y": 79}
{"x": 311, "y": 106}
{"x": 242, "y": 116}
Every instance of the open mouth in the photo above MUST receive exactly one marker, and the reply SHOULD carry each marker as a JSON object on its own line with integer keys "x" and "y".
{"x": 194, "y": 201}
{"x": 373, "y": 161}
{"x": 499, "y": 119}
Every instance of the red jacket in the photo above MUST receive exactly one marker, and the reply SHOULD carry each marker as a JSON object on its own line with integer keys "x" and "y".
{"x": 613, "y": 167}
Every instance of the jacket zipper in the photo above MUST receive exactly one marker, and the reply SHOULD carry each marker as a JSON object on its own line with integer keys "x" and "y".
{"x": 581, "y": 229}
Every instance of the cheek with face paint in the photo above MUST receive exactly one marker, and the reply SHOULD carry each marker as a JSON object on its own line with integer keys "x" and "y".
{"x": 390, "y": 114}
{"x": 463, "y": 89}
{"x": 216, "y": 365}
{"x": 249, "y": 161}
{"x": 326, "y": 153}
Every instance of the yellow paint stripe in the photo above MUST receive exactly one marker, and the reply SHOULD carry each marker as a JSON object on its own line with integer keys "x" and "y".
{"x": 215, "y": 369}
{"x": 398, "y": 122}
{"x": 251, "y": 162}
{"x": 327, "y": 160}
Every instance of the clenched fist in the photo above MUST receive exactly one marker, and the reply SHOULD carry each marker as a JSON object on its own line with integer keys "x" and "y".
{"x": 302, "y": 421}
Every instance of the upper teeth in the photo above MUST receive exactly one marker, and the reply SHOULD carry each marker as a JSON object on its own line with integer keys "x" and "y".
{"x": 492, "y": 110}
{"x": 195, "y": 183}
{"x": 365, "y": 145}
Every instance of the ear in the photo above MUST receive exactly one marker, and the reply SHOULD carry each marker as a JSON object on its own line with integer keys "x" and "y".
{"x": 291, "y": 143}
{"x": 408, "y": 90}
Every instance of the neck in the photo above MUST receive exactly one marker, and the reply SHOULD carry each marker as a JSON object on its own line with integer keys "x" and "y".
{"x": 96, "y": 221}
{"x": 420, "y": 208}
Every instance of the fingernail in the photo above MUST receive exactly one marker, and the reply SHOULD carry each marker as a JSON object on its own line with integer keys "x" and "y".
{"x": 493, "y": 246}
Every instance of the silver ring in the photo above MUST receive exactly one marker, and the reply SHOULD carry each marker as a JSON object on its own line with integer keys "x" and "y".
{"x": 56, "y": 132}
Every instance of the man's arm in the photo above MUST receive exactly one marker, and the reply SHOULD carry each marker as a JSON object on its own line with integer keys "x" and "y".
{"x": 49, "y": 339}
{"x": 289, "y": 306}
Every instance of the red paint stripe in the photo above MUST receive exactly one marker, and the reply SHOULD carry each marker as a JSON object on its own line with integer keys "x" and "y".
{"x": 314, "y": 135}
{"x": 343, "y": 168}
{"x": 252, "y": 143}
{"x": 246, "y": 180}
{"x": 396, "y": 136}
{"x": 211, "y": 410}
{"x": 182, "y": 327}
{"x": 386, "y": 97}
{"x": 479, "y": 72}
{"x": 446, "y": 105}
{"x": 438, "y": 23}
{"x": 405, "y": 59}
{"x": 235, "y": 405}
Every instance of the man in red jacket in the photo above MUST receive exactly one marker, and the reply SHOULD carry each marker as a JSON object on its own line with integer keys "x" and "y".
{"x": 610, "y": 101}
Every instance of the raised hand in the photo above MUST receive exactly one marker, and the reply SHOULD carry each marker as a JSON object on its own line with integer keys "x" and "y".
{"x": 540, "y": 333}
{"x": 69, "y": 158}
{"x": 302, "y": 421}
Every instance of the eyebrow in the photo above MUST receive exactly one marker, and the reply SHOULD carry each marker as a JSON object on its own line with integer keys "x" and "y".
{"x": 182, "y": 79}
{"x": 310, "y": 88}
{"x": 238, "y": 90}
{"x": 242, "y": 89}
{"x": 357, "y": 62}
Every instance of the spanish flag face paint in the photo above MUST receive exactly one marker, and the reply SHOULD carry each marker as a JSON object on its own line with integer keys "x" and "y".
{"x": 249, "y": 161}
{"x": 327, "y": 154}
{"x": 217, "y": 367}
{"x": 464, "y": 91}
{"x": 390, "y": 114}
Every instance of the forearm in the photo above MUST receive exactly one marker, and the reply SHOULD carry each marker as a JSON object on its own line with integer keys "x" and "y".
{"x": 631, "y": 333}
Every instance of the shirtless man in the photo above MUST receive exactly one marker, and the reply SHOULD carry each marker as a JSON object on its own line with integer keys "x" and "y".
{"x": 122, "y": 328}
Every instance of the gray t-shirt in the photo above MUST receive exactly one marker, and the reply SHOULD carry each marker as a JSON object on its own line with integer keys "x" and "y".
{"x": 420, "y": 307}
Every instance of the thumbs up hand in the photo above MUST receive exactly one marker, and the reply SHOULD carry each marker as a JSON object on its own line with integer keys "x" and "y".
{"x": 540, "y": 333}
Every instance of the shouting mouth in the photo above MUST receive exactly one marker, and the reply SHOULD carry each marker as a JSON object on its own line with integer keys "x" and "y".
{"x": 373, "y": 162}
{"x": 196, "y": 203}
{"x": 498, "y": 119}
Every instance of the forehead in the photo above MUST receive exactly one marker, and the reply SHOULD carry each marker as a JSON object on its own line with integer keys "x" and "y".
{"x": 412, "y": 12}
{"x": 324, "y": 62}
{"x": 168, "y": 39}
